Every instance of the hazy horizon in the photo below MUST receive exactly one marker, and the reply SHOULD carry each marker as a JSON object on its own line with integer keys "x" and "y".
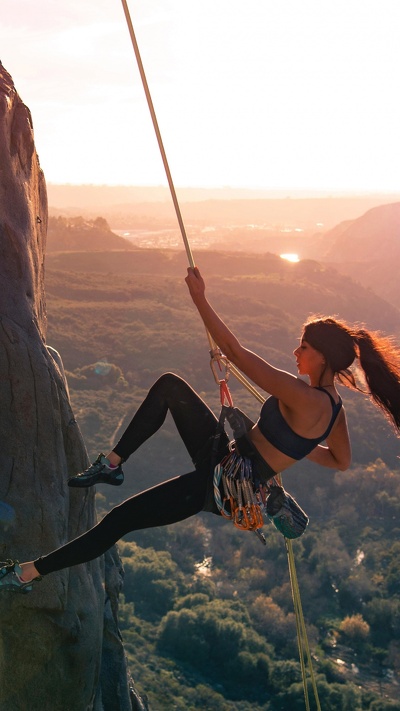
{"x": 146, "y": 215}
{"x": 201, "y": 192}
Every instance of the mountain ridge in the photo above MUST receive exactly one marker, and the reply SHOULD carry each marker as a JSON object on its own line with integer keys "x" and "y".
{"x": 373, "y": 236}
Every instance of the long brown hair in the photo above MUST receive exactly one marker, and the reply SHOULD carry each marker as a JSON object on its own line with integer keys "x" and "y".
{"x": 378, "y": 357}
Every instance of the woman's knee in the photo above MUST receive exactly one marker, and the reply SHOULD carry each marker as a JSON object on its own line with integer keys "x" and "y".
{"x": 169, "y": 383}
{"x": 170, "y": 378}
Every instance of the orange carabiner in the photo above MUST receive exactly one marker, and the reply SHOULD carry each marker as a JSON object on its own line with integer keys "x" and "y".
{"x": 248, "y": 518}
{"x": 257, "y": 520}
{"x": 223, "y": 513}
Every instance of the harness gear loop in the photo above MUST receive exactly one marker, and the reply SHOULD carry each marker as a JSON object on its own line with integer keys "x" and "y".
{"x": 243, "y": 500}
{"x": 245, "y": 503}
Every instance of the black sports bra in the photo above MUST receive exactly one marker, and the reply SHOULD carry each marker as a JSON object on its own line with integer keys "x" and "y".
{"x": 277, "y": 431}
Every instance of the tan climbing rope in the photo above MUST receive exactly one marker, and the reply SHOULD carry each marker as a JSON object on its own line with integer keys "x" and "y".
{"x": 304, "y": 649}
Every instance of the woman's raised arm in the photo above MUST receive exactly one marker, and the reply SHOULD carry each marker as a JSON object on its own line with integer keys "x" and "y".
{"x": 277, "y": 382}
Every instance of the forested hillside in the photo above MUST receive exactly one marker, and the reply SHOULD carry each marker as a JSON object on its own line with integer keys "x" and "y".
{"x": 208, "y": 617}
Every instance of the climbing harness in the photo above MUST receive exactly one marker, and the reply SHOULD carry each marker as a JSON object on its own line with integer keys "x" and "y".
{"x": 217, "y": 357}
{"x": 246, "y": 488}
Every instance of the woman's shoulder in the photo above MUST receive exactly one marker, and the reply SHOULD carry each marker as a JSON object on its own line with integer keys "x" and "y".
{"x": 306, "y": 399}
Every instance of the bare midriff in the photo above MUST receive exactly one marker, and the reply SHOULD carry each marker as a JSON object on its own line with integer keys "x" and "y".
{"x": 276, "y": 459}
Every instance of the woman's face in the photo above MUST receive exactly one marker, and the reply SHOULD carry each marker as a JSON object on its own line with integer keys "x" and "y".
{"x": 309, "y": 361}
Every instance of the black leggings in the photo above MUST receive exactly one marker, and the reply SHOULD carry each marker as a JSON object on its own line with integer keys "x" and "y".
{"x": 172, "y": 501}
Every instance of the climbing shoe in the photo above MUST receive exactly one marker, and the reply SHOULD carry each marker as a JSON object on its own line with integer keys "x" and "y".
{"x": 99, "y": 472}
{"x": 10, "y": 578}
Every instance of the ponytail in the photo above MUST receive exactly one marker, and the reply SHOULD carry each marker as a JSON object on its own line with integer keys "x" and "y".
{"x": 380, "y": 361}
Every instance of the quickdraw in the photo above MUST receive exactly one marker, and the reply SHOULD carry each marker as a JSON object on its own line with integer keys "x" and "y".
{"x": 245, "y": 501}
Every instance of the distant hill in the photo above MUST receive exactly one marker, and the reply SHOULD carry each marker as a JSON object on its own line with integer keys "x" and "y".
{"x": 373, "y": 236}
{"x": 368, "y": 250}
{"x": 77, "y": 234}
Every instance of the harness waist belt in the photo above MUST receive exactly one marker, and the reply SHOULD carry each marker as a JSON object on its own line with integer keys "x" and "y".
{"x": 261, "y": 469}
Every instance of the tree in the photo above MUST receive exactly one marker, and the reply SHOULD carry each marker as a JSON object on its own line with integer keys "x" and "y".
{"x": 217, "y": 639}
{"x": 152, "y": 581}
{"x": 355, "y": 628}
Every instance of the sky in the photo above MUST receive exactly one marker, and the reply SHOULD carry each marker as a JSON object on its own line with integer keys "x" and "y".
{"x": 273, "y": 94}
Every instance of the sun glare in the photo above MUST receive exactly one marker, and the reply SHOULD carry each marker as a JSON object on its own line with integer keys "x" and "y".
{"x": 291, "y": 257}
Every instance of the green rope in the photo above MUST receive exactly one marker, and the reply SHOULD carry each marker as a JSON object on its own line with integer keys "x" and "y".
{"x": 302, "y": 638}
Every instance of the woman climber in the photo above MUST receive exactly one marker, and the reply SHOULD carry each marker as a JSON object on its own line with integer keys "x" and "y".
{"x": 294, "y": 422}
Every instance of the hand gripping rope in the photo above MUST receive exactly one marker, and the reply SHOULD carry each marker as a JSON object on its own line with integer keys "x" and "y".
{"x": 304, "y": 649}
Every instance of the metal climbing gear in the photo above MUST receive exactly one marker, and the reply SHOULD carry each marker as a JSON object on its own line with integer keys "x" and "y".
{"x": 242, "y": 503}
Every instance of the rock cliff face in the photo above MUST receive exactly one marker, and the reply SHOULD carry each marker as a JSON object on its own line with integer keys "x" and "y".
{"x": 60, "y": 649}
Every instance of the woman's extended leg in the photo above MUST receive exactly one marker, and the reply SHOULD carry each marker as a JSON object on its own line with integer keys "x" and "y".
{"x": 172, "y": 501}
